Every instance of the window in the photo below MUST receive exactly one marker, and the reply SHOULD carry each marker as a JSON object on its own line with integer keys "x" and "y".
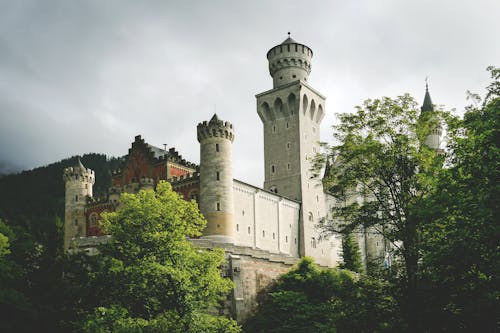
{"x": 93, "y": 220}
{"x": 313, "y": 243}
{"x": 273, "y": 169}
{"x": 237, "y": 227}
{"x": 249, "y": 230}
{"x": 286, "y": 239}
{"x": 217, "y": 147}
{"x": 217, "y": 175}
{"x": 288, "y": 166}
{"x": 274, "y": 236}
{"x": 287, "y": 124}
{"x": 76, "y": 222}
{"x": 295, "y": 240}
{"x": 310, "y": 216}
{"x": 76, "y": 198}
{"x": 273, "y": 189}
{"x": 263, "y": 233}
{"x": 243, "y": 213}
{"x": 218, "y": 206}
{"x": 274, "y": 128}
{"x": 317, "y": 198}
{"x": 288, "y": 145}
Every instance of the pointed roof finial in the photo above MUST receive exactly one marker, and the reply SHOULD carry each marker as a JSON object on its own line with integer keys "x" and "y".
{"x": 214, "y": 119}
{"x": 79, "y": 164}
{"x": 289, "y": 40}
{"x": 427, "y": 105}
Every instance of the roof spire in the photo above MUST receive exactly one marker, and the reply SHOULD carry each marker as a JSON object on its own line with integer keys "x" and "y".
{"x": 427, "y": 105}
{"x": 79, "y": 164}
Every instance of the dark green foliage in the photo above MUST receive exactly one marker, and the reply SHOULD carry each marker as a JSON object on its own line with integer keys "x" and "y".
{"x": 32, "y": 292}
{"x": 461, "y": 262}
{"x": 309, "y": 299}
{"x": 351, "y": 255}
{"x": 28, "y": 197}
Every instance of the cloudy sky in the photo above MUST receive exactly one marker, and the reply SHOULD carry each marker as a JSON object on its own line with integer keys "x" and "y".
{"x": 87, "y": 76}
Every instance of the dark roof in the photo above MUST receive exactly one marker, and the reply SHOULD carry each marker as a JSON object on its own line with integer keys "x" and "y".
{"x": 289, "y": 40}
{"x": 214, "y": 119}
{"x": 157, "y": 151}
{"x": 427, "y": 106}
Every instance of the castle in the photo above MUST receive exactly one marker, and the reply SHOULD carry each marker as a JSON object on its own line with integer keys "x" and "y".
{"x": 264, "y": 231}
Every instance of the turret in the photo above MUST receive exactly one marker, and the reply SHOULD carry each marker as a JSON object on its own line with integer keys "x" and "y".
{"x": 78, "y": 182}
{"x": 433, "y": 140}
{"x": 216, "y": 179}
{"x": 288, "y": 62}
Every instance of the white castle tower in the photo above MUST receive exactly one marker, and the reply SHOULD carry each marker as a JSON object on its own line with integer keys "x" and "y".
{"x": 78, "y": 181}
{"x": 216, "y": 179}
{"x": 433, "y": 140}
{"x": 291, "y": 113}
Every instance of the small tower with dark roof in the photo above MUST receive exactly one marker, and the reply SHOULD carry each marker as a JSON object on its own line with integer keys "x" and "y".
{"x": 433, "y": 140}
{"x": 78, "y": 182}
{"x": 216, "y": 179}
{"x": 289, "y": 61}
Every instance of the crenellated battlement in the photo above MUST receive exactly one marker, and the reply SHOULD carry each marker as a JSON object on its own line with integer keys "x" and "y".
{"x": 215, "y": 128}
{"x": 289, "y": 61}
{"x": 186, "y": 177}
{"x": 79, "y": 173}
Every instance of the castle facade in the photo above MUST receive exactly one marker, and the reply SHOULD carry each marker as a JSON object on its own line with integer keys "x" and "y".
{"x": 264, "y": 230}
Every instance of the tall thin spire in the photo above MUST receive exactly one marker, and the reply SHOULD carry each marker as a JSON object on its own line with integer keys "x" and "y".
{"x": 427, "y": 106}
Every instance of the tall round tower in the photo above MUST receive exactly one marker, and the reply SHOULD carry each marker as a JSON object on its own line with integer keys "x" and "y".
{"x": 289, "y": 61}
{"x": 433, "y": 140}
{"x": 216, "y": 179}
{"x": 79, "y": 181}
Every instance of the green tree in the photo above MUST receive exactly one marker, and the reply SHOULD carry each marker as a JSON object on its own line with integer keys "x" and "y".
{"x": 149, "y": 274}
{"x": 461, "y": 261}
{"x": 380, "y": 160}
{"x": 309, "y": 299}
{"x": 351, "y": 256}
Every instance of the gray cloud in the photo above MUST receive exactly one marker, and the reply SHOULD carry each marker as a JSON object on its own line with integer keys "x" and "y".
{"x": 87, "y": 76}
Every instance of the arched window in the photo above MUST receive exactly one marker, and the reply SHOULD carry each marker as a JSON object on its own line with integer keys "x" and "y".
{"x": 310, "y": 216}
{"x": 93, "y": 220}
{"x": 305, "y": 104}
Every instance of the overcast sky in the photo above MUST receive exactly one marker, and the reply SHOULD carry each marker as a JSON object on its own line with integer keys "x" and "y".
{"x": 87, "y": 76}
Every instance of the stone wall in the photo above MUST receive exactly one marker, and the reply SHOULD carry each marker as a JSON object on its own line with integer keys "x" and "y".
{"x": 252, "y": 271}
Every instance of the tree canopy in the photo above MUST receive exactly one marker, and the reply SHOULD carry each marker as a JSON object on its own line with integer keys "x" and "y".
{"x": 149, "y": 275}
{"x": 310, "y": 299}
{"x": 461, "y": 262}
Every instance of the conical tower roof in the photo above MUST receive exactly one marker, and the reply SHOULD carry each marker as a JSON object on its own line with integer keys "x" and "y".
{"x": 80, "y": 165}
{"x": 427, "y": 106}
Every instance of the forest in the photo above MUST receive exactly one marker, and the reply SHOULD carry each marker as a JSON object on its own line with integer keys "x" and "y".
{"x": 438, "y": 209}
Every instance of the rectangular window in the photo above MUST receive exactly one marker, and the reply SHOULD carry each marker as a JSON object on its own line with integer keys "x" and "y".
{"x": 76, "y": 198}
{"x": 218, "y": 206}
{"x": 217, "y": 175}
{"x": 217, "y": 147}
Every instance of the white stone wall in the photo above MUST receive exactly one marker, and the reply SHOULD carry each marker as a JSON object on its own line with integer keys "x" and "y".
{"x": 265, "y": 220}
